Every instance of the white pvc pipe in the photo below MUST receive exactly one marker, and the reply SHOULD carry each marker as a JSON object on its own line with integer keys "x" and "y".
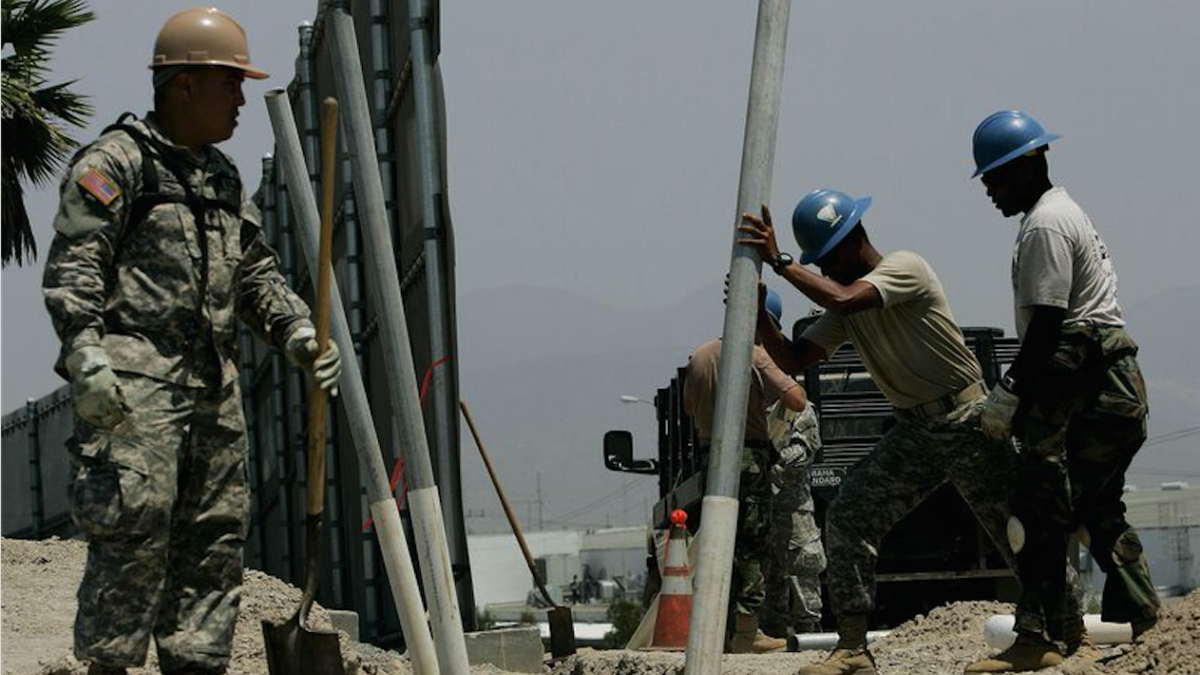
{"x": 998, "y": 631}
{"x": 706, "y": 627}
{"x": 825, "y": 641}
{"x": 429, "y": 528}
{"x": 435, "y": 555}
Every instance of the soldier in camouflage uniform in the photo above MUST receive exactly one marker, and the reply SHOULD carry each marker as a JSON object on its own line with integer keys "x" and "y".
{"x": 893, "y": 309}
{"x": 156, "y": 257}
{"x": 767, "y": 384}
{"x": 795, "y": 555}
{"x": 1074, "y": 396}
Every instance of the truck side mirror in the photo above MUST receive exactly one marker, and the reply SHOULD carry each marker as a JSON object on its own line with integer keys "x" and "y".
{"x": 618, "y": 454}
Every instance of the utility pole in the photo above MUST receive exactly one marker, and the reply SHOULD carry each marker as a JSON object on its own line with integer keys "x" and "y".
{"x": 706, "y": 629}
{"x": 541, "y": 522}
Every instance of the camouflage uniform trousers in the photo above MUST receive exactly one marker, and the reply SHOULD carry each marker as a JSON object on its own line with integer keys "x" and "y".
{"x": 750, "y": 547}
{"x": 163, "y": 500}
{"x": 1078, "y": 436}
{"x": 913, "y": 459}
{"x": 795, "y": 558}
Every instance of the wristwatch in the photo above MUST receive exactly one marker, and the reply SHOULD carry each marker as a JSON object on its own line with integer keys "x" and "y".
{"x": 1008, "y": 383}
{"x": 781, "y": 261}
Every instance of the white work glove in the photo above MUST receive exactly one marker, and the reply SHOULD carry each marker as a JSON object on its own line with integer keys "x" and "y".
{"x": 95, "y": 392}
{"x": 998, "y": 413}
{"x": 326, "y": 368}
{"x": 795, "y": 435}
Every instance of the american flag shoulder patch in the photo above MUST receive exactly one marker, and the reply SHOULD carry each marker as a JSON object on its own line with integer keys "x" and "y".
{"x": 99, "y": 186}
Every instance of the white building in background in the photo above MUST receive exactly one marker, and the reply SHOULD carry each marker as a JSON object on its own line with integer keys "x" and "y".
{"x": 614, "y": 558}
{"x": 1168, "y": 521}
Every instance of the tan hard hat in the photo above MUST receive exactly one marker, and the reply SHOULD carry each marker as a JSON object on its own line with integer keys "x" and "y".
{"x": 203, "y": 36}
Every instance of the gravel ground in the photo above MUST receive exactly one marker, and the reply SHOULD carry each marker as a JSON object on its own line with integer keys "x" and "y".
{"x": 38, "y": 581}
{"x": 942, "y": 642}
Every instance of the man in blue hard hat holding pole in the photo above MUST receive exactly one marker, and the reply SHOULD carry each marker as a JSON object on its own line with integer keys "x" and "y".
{"x": 1074, "y": 397}
{"x": 893, "y": 309}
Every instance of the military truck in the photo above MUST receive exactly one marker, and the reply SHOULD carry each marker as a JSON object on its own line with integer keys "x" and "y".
{"x": 938, "y": 553}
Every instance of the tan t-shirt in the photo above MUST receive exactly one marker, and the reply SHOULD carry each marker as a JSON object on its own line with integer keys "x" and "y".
{"x": 767, "y": 382}
{"x": 1060, "y": 261}
{"x": 911, "y": 346}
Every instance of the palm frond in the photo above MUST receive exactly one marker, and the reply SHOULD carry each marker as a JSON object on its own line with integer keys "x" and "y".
{"x": 33, "y": 27}
{"x": 16, "y": 240}
{"x": 36, "y": 114}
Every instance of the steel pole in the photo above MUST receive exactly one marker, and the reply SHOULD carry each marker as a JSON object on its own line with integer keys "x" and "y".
{"x": 401, "y": 574}
{"x": 706, "y": 630}
{"x": 444, "y": 399}
{"x": 428, "y": 523}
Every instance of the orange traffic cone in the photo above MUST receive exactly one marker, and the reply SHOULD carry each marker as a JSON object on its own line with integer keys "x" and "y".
{"x": 675, "y": 598}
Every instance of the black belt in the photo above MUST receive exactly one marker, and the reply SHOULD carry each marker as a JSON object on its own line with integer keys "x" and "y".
{"x": 943, "y": 404}
{"x": 758, "y": 445}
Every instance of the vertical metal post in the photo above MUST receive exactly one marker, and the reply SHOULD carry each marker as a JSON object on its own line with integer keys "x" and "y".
{"x": 706, "y": 630}
{"x": 428, "y": 523}
{"x": 254, "y": 445}
{"x": 279, "y": 411}
{"x": 381, "y": 57}
{"x": 354, "y": 399}
{"x": 442, "y": 395}
{"x": 35, "y": 468}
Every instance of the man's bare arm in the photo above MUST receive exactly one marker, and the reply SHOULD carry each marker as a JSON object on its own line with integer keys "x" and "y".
{"x": 794, "y": 399}
{"x": 791, "y": 357}
{"x": 830, "y": 294}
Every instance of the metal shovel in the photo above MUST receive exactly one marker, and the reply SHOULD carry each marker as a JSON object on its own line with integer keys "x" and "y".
{"x": 562, "y": 624}
{"x": 293, "y": 648}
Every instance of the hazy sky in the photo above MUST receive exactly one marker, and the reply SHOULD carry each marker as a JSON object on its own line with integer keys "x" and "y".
{"x": 594, "y": 147}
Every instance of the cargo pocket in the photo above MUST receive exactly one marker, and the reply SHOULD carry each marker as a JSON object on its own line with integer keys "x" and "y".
{"x": 1070, "y": 355}
{"x": 108, "y": 499}
{"x": 1123, "y": 393}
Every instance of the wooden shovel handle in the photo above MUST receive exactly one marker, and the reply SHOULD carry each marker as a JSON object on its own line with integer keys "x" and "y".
{"x": 315, "y": 494}
{"x": 508, "y": 512}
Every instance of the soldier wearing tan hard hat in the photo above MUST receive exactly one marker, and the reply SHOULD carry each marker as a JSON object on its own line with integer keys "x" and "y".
{"x": 203, "y": 36}
{"x": 157, "y": 256}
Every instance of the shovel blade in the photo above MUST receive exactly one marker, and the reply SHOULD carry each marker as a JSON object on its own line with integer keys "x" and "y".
{"x": 292, "y": 649}
{"x": 562, "y": 632}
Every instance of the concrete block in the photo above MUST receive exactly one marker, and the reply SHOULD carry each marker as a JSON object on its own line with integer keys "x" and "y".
{"x": 518, "y": 650}
{"x": 344, "y": 620}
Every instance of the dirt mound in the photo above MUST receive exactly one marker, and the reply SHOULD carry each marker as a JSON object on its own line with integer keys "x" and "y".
{"x": 620, "y": 662}
{"x": 39, "y": 579}
{"x": 1172, "y": 647}
{"x": 943, "y": 641}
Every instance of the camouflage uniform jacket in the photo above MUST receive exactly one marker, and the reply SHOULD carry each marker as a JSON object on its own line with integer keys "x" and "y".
{"x": 162, "y": 295}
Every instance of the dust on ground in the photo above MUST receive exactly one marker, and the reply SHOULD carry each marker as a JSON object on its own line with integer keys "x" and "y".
{"x": 942, "y": 642}
{"x": 38, "y": 581}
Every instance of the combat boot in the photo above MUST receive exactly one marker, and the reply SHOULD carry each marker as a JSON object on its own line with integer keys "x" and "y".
{"x": 748, "y": 639}
{"x": 1142, "y": 625}
{"x": 850, "y": 656}
{"x": 1029, "y": 652}
{"x": 1079, "y": 645}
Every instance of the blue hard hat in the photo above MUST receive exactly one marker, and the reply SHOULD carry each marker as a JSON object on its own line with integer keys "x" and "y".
{"x": 822, "y": 219}
{"x": 1004, "y": 136}
{"x": 774, "y": 305}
